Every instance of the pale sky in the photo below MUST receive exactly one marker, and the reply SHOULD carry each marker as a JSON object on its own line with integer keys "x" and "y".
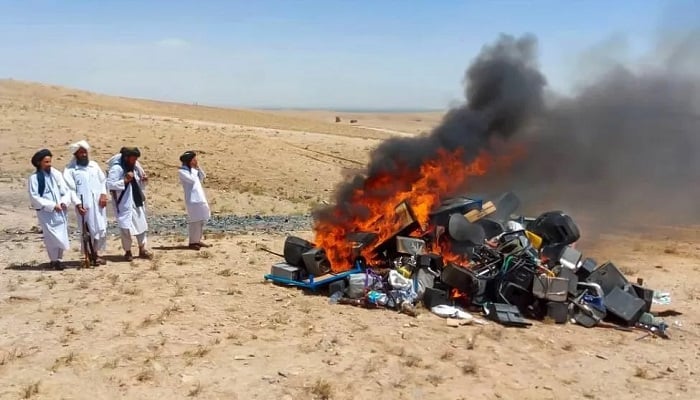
{"x": 361, "y": 54}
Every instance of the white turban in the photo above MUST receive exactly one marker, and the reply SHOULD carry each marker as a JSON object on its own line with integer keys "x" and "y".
{"x": 79, "y": 145}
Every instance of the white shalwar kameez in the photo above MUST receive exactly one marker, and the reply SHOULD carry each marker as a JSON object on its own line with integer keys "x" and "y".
{"x": 87, "y": 184}
{"x": 54, "y": 224}
{"x": 198, "y": 212}
{"x": 130, "y": 218}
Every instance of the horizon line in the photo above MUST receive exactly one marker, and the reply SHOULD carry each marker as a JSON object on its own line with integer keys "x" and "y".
{"x": 356, "y": 109}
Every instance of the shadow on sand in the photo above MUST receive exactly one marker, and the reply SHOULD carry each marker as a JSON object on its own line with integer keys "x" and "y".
{"x": 75, "y": 264}
{"x": 169, "y": 248}
{"x": 43, "y": 266}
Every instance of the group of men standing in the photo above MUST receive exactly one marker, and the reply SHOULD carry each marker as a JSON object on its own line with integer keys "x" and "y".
{"x": 84, "y": 185}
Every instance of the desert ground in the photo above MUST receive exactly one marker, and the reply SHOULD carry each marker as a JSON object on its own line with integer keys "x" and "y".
{"x": 206, "y": 325}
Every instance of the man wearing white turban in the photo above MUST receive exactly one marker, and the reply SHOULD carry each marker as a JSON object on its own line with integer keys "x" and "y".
{"x": 87, "y": 184}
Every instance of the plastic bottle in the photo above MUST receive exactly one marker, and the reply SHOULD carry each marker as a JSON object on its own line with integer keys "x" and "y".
{"x": 335, "y": 297}
{"x": 377, "y": 298}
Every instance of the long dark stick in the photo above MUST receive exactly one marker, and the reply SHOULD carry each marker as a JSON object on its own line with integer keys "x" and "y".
{"x": 88, "y": 249}
{"x": 265, "y": 249}
{"x": 86, "y": 261}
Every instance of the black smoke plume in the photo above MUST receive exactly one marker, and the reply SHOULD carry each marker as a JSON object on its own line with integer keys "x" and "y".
{"x": 504, "y": 89}
{"x": 625, "y": 148}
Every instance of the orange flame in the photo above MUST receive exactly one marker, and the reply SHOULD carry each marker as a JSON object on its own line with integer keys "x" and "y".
{"x": 450, "y": 257}
{"x": 423, "y": 189}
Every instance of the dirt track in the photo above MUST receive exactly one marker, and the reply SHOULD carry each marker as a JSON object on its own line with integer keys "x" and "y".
{"x": 205, "y": 324}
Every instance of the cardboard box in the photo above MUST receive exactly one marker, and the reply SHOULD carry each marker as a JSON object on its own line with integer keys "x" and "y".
{"x": 487, "y": 209}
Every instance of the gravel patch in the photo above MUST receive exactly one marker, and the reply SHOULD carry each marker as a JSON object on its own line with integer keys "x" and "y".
{"x": 177, "y": 225}
{"x": 238, "y": 224}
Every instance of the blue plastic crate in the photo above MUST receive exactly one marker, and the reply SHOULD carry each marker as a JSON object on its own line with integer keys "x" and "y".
{"x": 313, "y": 283}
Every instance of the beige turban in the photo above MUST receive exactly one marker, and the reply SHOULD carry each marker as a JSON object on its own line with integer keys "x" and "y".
{"x": 78, "y": 145}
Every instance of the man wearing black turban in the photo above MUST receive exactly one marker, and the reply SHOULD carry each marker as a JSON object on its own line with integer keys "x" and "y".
{"x": 50, "y": 197}
{"x": 127, "y": 181}
{"x": 130, "y": 152}
{"x": 187, "y": 157}
{"x": 117, "y": 158}
{"x": 39, "y": 156}
{"x": 198, "y": 213}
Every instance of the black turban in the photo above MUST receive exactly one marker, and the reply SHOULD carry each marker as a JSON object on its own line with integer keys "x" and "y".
{"x": 130, "y": 151}
{"x": 39, "y": 155}
{"x": 187, "y": 156}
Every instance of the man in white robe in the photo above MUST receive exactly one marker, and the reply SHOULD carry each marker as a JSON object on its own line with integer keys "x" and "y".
{"x": 126, "y": 184}
{"x": 50, "y": 197}
{"x": 198, "y": 212}
{"x": 87, "y": 184}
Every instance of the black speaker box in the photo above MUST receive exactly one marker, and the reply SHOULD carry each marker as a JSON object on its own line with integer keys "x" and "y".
{"x": 294, "y": 247}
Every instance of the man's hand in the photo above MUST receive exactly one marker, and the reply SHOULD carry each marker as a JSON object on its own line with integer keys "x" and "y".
{"x": 103, "y": 201}
{"x": 144, "y": 178}
{"x": 129, "y": 177}
{"x": 64, "y": 207}
{"x": 80, "y": 209}
{"x": 58, "y": 208}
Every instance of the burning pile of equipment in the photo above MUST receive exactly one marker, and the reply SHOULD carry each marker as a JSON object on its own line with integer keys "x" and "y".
{"x": 473, "y": 255}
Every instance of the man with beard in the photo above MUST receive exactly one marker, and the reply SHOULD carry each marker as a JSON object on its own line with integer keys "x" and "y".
{"x": 126, "y": 183}
{"x": 86, "y": 181}
{"x": 117, "y": 158}
{"x": 50, "y": 197}
{"x": 198, "y": 213}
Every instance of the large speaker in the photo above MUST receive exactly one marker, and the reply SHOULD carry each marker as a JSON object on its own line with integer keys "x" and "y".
{"x": 555, "y": 228}
{"x": 294, "y": 247}
{"x": 462, "y": 230}
{"x": 316, "y": 262}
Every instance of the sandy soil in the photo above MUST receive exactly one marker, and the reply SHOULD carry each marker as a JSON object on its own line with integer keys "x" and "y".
{"x": 206, "y": 325}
